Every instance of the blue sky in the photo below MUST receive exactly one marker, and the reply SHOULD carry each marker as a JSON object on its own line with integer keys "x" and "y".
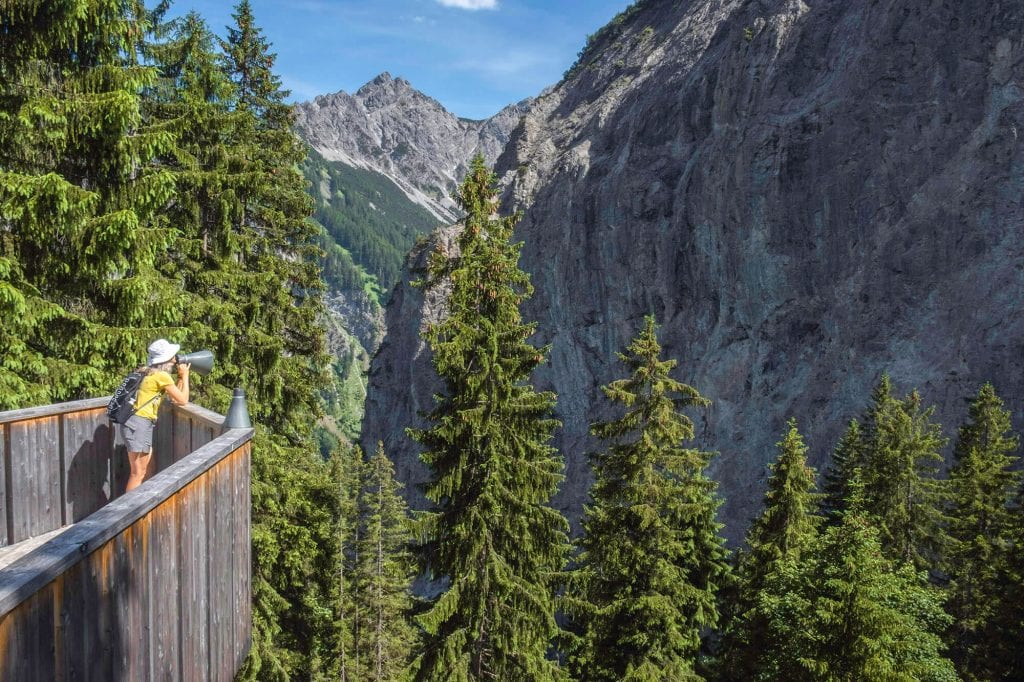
{"x": 474, "y": 56}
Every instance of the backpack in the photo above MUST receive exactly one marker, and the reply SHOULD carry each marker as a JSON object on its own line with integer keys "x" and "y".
{"x": 121, "y": 406}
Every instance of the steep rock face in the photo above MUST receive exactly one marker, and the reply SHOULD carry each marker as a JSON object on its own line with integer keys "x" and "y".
{"x": 805, "y": 194}
{"x": 390, "y": 127}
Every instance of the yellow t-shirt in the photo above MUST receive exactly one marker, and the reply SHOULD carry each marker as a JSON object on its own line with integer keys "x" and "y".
{"x": 152, "y": 384}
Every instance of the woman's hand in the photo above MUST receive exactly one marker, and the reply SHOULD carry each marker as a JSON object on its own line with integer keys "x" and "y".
{"x": 179, "y": 393}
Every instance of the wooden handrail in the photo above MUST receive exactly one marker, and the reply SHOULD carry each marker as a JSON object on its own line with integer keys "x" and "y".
{"x": 10, "y": 416}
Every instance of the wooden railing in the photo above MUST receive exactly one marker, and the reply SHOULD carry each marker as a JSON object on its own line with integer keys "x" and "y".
{"x": 150, "y": 584}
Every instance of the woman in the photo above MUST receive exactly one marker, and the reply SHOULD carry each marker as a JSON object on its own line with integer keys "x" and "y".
{"x": 138, "y": 430}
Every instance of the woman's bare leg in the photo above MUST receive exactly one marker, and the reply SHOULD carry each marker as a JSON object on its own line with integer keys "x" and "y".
{"x": 141, "y": 464}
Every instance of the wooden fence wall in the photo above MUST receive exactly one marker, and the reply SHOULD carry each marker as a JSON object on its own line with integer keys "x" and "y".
{"x": 155, "y": 584}
{"x": 62, "y": 462}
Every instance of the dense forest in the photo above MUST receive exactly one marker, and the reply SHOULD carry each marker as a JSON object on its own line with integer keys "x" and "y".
{"x": 369, "y": 225}
{"x": 150, "y": 185}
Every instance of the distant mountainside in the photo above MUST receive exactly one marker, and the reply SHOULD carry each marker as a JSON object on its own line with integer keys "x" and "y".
{"x": 391, "y": 128}
{"x": 382, "y": 168}
{"x": 805, "y": 194}
{"x": 367, "y": 225}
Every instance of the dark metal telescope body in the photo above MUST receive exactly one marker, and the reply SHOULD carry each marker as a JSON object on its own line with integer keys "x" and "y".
{"x": 201, "y": 361}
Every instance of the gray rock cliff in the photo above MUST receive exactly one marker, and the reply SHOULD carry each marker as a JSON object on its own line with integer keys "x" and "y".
{"x": 390, "y": 127}
{"x": 805, "y": 193}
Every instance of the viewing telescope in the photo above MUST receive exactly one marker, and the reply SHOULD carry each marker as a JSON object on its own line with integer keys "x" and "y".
{"x": 201, "y": 360}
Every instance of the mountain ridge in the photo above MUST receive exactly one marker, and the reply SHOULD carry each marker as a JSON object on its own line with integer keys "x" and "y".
{"x": 391, "y": 128}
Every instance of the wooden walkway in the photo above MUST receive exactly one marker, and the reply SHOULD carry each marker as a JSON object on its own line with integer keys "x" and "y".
{"x": 10, "y": 554}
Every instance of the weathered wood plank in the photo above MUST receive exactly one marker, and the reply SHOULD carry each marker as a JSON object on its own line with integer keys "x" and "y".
{"x": 221, "y": 571}
{"x": 202, "y": 433}
{"x": 90, "y": 625}
{"x": 182, "y": 438}
{"x": 131, "y": 600}
{"x": 10, "y": 416}
{"x": 27, "y": 649}
{"x": 12, "y": 553}
{"x": 88, "y": 463}
{"x": 5, "y": 497}
{"x": 246, "y": 575}
{"x": 35, "y": 477}
{"x": 240, "y": 554}
{"x": 208, "y": 417}
{"x": 194, "y": 591}
{"x": 165, "y": 636}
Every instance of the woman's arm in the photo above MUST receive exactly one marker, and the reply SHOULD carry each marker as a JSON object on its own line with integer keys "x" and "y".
{"x": 179, "y": 394}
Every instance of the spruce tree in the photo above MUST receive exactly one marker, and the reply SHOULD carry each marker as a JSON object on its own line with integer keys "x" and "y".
{"x": 896, "y": 447}
{"x": 902, "y": 491}
{"x": 492, "y": 538}
{"x": 867, "y": 618}
{"x": 758, "y": 644}
{"x": 983, "y": 482}
{"x": 273, "y": 275}
{"x": 850, "y": 453}
{"x": 652, "y": 556}
{"x": 384, "y": 574}
{"x": 79, "y": 193}
{"x": 1009, "y": 620}
{"x": 244, "y": 247}
{"x": 847, "y": 457}
{"x": 347, "y": 473}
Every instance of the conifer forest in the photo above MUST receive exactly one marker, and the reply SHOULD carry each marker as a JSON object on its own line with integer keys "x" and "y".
{"x": 151, "y": 186}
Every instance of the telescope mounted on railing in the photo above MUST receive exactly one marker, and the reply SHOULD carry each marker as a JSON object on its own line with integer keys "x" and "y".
{"x": 201, "y": 360}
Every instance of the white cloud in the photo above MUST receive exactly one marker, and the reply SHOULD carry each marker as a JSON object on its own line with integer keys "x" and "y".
{"x": 470, "y": 4}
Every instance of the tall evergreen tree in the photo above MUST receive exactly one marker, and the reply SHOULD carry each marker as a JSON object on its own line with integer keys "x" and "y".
{"x": 347, "y": 473}
{"x": 79, "y": 296}
{"x": 652, "y": 555}
{"x": 902, "y": 491}
{"x": 493, "y": 536}
{"x": 1010, "y": 617}
{"x": 868, "y": 619}
{"x": 983, "y": 482}
{"x": 272, "y": 278}
{"x": 848, "y": 456}
{"x": 383, "y": 575}
{"x": 896, "y": 447}
{"x": 758, "y": 641}
{"x": 850, "y": 453}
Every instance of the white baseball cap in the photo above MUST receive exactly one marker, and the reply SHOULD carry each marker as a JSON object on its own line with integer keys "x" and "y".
{"x": 161, "y": 351}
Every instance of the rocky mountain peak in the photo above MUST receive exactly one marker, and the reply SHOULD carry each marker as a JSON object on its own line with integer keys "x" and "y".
{"x": 390, "y": 127}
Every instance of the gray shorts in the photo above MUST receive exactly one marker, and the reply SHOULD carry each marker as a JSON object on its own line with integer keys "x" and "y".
{"x": 138, "y": 433}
